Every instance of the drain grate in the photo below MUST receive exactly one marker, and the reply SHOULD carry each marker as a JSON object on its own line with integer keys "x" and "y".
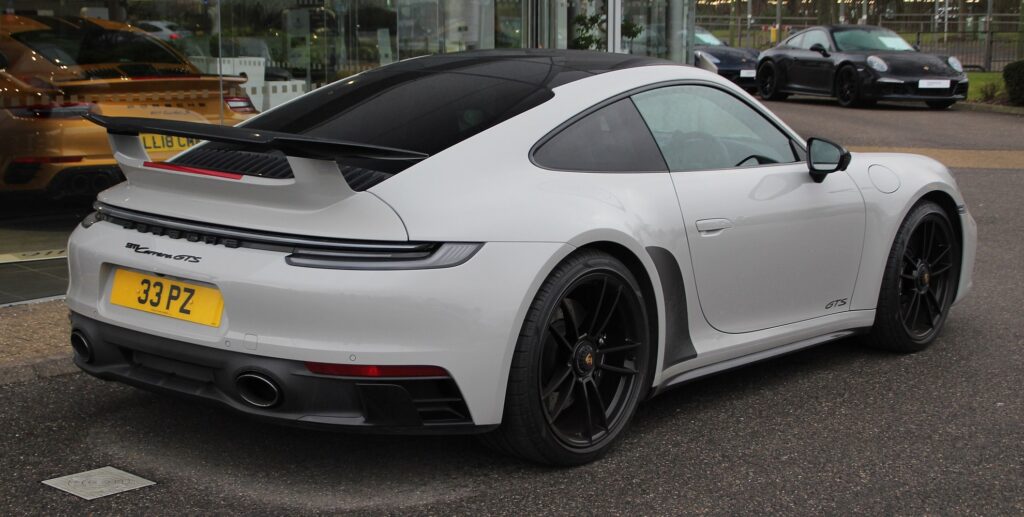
{"x": 98, "y": 483}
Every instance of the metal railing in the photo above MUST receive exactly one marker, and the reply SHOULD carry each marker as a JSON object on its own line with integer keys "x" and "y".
{"x": 989, "y": 51}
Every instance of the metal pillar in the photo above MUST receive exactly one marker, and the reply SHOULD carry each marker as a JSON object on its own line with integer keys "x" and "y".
{"x": 614, "y": 24}
{"x": 778, "y": 21}
{"x": 682, "y": 21}
{"x": 690, "y": 14}
{"x": 988, "y": 38}
{"x": 676, "y": 52}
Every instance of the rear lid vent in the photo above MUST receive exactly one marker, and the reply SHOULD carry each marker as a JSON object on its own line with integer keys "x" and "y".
{"x": 272, "y": 164}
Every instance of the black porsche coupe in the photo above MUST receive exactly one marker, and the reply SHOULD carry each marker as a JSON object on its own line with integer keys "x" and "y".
{"x": 859, "y": 65}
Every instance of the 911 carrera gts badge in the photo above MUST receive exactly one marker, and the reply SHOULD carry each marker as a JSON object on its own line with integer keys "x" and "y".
{"x": 146, "y": 251}
{"x": 835, "y": 304}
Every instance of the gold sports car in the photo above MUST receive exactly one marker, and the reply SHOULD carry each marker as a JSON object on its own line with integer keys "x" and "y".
{"x": 55, "y": 69}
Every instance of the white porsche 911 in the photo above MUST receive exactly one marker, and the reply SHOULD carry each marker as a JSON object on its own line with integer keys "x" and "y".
{"x": 524, "y": 244}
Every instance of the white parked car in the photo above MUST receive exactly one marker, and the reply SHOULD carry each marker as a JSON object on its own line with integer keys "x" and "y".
{"x": 521, "y": 243}
{"x": 165, "y": 30}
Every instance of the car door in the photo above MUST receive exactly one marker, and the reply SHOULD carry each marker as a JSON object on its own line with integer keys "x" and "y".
{"x": 768, "y": 245}
{"x": 784, "y": 61}
{"x": 811, "y": 70}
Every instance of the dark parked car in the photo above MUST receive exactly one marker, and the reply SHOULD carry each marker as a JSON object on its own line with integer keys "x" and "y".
{"x": 739, "y": 65}
{"x": 858, "y": 65}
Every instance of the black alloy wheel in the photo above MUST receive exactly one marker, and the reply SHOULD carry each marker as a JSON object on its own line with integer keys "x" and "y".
{"x": 590, "y": 362}
{"x": 768, "y": 82}
{"x": 848, "y": 87}
{"x": 920, "y": 282}
{"x": 581, "y": 364}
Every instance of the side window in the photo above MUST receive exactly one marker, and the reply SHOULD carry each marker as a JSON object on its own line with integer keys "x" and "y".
{"x": 611, "y": 139}
{"x": 813, "y": 37}
{"x": 149, "y": 27}
{"x": 699, "y": 127}
{"x": 794, "y": 42}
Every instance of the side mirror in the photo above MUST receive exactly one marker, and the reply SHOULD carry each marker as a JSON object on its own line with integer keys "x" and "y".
{"x": 819, "y": 48}
{"x": 825, "y": 157}
{"x": 916, "y": 47}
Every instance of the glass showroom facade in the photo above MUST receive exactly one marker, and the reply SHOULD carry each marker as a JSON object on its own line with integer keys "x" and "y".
{"x": 221, "y": 62}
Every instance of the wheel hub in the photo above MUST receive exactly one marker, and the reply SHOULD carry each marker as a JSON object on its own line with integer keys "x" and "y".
{"x": 922, "y": 277}
{"x": 584, "y": 359}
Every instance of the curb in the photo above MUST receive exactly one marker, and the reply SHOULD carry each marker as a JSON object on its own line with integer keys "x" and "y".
{"x": 988, "y": 108}
{"x": 24, "y": 371}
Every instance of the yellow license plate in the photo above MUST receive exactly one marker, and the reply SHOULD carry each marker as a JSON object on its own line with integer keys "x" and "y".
{"x": 166, "y": 297}
{"x": 165, "y": 143}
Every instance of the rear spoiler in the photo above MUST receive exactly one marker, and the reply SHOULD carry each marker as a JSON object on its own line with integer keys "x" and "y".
{"x": 300, "y": 146}
{"x": 317, "y": 180}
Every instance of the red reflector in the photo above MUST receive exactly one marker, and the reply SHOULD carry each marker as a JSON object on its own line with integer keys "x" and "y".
{"x": 48, "y": 159}
{"x": 367, "y": 370}
{"x": 192, "y": 170}
{"x": 240, "y": 104}
{"x": 173, "y": 35}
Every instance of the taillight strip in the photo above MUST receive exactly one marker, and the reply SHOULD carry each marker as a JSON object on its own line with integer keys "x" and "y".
{"x": 193, "y": 170}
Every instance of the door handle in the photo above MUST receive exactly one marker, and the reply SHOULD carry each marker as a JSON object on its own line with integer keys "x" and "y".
{"x": 712, "y": 227}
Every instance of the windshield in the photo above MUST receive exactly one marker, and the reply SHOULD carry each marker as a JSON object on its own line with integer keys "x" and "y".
{"x": 704, "y": 37}
{"x": 870, "y": 39}
{"x": 69, "y": 45}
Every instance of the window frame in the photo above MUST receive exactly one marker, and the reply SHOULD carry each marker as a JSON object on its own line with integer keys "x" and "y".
{"x": 798, "y": 144}
{"x": 828, "y": 38}
{"x": 790, "y": 41}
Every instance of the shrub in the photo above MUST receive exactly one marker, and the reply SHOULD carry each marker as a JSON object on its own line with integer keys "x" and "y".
{"x": 988, "y": 92}
{"x": 1013, "y": 76}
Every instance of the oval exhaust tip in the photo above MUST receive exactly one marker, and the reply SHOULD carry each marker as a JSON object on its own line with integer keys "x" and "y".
{"x": 80, "y": 344}
{"x": 258, "y": 390}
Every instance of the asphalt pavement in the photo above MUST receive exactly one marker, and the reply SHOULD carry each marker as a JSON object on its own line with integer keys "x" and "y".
{"x": 837, "y": 429}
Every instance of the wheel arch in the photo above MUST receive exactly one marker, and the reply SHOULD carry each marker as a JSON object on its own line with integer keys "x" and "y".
{"x": 644, "y": 278}
{"x": 835, "y": 74}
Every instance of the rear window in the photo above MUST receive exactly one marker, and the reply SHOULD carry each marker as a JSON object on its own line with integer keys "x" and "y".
{"x": 425, "y": 105}
{"x": 611, "y": 139}
{"x": 419, "y": 110}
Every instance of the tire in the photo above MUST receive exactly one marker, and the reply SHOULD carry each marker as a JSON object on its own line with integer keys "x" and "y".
{"x": 919, "y": 283}
{"x": 571, "y": 393}
{"x": 768, "y": 82}
{"x": 939, "y": 105}
{"x": 848, "y": 88}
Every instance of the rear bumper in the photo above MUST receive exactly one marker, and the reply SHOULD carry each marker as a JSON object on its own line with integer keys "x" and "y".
{"x": 459, "y": 318}
{"x": 734, "y": 75}
{"x": 396, "y": 405}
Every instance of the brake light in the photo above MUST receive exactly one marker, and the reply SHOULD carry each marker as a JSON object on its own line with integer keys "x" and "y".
{"x": 366, "y": 370}
{"x": 48, "y": 111}
{"x": 192, "y": 170}
{"x": 174, "y": 35}
{"x": 240, "y": 104}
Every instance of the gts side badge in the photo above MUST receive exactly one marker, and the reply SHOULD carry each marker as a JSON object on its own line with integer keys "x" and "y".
{"x": 146, "y": 251}
{"x": 835, "y": 304}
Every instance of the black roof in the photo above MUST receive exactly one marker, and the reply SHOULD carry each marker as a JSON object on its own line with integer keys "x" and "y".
{"x": 547, "y": 68}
